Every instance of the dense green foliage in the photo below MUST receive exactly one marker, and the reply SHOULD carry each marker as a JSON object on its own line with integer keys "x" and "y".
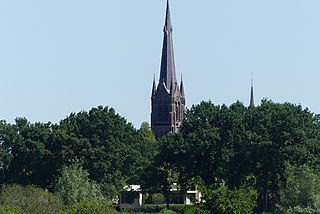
{"x": 235, "y": 143}
{"x": 243, "y": 147}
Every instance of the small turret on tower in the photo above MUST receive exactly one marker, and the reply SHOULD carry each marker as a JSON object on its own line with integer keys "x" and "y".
{"x": 154, "y": 87}
{"x": 181, "y": 88}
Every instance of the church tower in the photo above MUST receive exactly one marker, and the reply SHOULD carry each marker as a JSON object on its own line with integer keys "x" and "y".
{"x": 167, "y": 97}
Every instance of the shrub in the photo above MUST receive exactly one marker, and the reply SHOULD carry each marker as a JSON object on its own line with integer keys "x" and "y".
{"x": 301, "y": 192}
{"x": 152, "y": 208}
{"x": 166, "y": 211}
{"x": 90, "y": 206}
{"x": 225, "y": 201}
{"x": 29, "y": 199}
{"x": 158, "y": 198}
{"x": 74, "y": 185}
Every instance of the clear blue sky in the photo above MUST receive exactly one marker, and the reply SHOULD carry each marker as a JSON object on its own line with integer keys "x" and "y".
{"x": 63, "y": 56}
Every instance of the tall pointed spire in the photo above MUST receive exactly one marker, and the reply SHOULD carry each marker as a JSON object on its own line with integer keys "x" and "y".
{"x": 251, "y": 94}
{"x": 167, "y": 70}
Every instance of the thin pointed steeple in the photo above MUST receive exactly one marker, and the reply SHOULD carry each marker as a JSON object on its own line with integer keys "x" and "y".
{"x": 167, "y": 69}
{"x": 251, "y": 94}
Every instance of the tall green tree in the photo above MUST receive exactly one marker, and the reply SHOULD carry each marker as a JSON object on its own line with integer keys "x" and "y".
{"x": 29, "y": 153}
{"x": 213, "y": 135}
{"x": 104, "y": 142}
{"x": 284, "y": 133}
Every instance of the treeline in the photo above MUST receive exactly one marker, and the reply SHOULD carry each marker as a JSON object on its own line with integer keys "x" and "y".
{"x": 243, "y": 158}
{"x": 108, "y": 147}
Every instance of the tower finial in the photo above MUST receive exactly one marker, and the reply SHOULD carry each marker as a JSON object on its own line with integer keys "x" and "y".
{"x": 251, "y": 94}
{"x": 167, "y": 26}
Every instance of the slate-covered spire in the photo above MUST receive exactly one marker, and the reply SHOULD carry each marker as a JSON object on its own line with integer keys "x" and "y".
{"x": 167, "y": 69}
{"x": 251, "y": 95}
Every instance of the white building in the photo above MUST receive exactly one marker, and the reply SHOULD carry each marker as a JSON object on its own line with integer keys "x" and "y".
{"x": 131, "y": 198}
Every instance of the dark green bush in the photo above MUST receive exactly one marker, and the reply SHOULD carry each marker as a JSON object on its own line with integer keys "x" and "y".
{"x": 166, "y": 211}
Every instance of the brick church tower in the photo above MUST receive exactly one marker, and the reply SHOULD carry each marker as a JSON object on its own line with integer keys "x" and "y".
{"x": 167, "y": 98}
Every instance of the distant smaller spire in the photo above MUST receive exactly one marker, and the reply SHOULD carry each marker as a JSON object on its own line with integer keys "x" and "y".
{"x": 251, "y": 94}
